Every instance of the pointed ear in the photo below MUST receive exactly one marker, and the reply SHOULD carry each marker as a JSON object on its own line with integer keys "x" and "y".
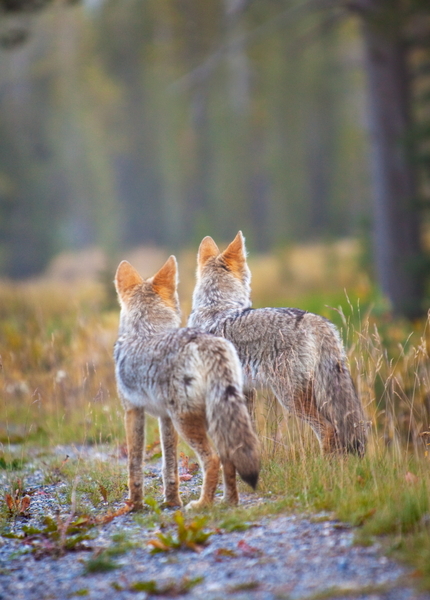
{"x": 165, "y": 282}
{"x": 235, "y": 254}
{"x": 126, "y": 278}
{"x": 207, "y": 250}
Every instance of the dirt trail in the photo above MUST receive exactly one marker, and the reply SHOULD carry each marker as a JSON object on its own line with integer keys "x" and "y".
{"x": 286, "y": 556}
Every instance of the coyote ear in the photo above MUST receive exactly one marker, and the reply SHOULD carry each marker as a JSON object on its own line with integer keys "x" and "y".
{"x": 165, "y": 281}
{"x": 207, "y": 250}
{"x": 126, "y": 278}
{"x": 235, "y": 254}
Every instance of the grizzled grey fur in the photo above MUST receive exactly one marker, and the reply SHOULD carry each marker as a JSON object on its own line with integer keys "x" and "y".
{"x": 296, "y": 354}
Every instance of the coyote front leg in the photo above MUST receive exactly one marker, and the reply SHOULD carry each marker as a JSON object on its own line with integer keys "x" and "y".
{"x": 169, "y": 446}
{"x": 135, "y": 434}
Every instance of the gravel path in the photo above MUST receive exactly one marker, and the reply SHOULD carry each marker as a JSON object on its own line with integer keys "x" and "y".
{"x": 281, "y": 557}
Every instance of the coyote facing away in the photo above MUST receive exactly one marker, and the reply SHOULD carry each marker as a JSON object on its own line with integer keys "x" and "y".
{"x": 190, "y": 380}
{"x": 296, "y": 354}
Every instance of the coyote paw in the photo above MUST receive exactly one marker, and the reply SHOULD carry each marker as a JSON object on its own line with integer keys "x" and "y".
{"x": 231, "y": 500}
{"x": 172, "y": 502}
{"x": 196, "y": 504}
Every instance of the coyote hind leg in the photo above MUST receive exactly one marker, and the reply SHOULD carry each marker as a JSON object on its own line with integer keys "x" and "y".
{"x": 231, "y": 495}
{"x": 193, "y": 429}
{"x": 305, "y": 408}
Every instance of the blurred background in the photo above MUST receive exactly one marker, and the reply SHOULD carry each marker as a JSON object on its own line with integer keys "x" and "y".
{"x": 133, "y": 128}
{"x": 127, "y": 122}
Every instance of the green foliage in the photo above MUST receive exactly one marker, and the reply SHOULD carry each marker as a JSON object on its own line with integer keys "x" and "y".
{"x": 187, "y": 536}
{"x": 234, "y": 523}
{"x": 13, "y": 464}
{"x": 168, "y": 588}
{"x": 103, "y": 560}
{"x": 148, "y": 501}
{"x": 56, "y": 536}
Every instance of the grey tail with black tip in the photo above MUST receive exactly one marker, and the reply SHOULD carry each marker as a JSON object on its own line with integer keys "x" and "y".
{"x": 231, "y": 430}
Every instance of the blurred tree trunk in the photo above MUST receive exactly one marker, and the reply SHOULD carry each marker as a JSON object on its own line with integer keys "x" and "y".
{"x": 322, "y": 125}
{"x": 398, "y": 251}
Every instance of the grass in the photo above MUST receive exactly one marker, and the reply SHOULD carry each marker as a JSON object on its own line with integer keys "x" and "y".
{"x": 58, "y": 387}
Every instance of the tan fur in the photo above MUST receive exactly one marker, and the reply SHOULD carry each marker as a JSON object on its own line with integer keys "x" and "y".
{"x": 207, "y": 250}
{"x": 234, "y": 256}
{"x": 165, "y": 282}
{"x": 193, "y": 430}
{"x": 169, "y": 447}
{"x": 126, "y": 279}
{"x": 229, "y": 476}
{"x": 135, "y": 435}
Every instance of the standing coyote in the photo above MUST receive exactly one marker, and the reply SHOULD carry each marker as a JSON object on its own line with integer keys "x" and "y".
{"x": 297, "y": 354}
{"x": 190, "y": 380}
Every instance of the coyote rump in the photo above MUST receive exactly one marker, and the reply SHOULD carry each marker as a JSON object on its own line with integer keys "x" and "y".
{"x": 298, "y": 355}
{"x": 190, "y": 380}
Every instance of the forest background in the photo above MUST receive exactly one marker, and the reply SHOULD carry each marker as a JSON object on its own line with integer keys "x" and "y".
{"x": 159, "y": 122}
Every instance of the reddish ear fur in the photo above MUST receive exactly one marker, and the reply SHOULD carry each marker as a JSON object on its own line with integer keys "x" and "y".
{"x": 165, "y": 282}
{"x": 126, "y": 278}
{"x": 207, "y": 250}
{"x": 235, "y": 255}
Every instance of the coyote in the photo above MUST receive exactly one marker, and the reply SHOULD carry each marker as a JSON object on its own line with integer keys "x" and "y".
{"x": 190, "y": 380}
{"x": 296, "y": 354}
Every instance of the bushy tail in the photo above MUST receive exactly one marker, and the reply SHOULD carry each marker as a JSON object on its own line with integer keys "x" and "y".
{"x": 338, "y": 401}
{"x": 230, "y": 426}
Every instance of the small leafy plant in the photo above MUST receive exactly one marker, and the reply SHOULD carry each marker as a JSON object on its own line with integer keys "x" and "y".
{"x": 56, "y": 537}
{"x": 187, "y": 536}
{"x": 102, "y": 560}
{"x": 169, "y": 588}
{"x": 17, "y": 504}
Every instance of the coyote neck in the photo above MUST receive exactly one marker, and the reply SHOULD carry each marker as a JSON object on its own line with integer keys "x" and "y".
{"x": 145, "y": 326}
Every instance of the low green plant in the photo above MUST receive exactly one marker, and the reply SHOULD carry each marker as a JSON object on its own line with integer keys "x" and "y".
{"x": 187, "y": 536}
{"x": 11, "y": 464}
{"x": 168, "y": 588}
{"x": 56, "y": 536}
{"x": 103, "y": 559}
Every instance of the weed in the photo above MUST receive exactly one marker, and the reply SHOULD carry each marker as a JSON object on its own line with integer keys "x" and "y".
{"x": 234, "y": 523}
{"x": 153, "y": 505}
{"x": 188, "y": 535}
{"x": 170, "y": 588}
{"x": 245, "y": 586}
{"x": 14, "y": 464}
{"x": 18, "y": 503}
{"x": 56, "y": 537}
{"x": 99, "y": 563}
{"x": 102, "y": 559}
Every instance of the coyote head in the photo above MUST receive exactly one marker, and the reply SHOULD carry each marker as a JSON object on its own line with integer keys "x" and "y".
{"x": 152, "y": 303}
{"x": 223, "y": 278}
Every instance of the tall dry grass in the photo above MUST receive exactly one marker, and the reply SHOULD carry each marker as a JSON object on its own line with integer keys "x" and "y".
{"x": 56, "y": 342}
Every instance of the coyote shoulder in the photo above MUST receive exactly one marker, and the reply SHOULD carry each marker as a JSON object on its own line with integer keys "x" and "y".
{"x": 190, "y": 380}
{"x": 296, "y": 354}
